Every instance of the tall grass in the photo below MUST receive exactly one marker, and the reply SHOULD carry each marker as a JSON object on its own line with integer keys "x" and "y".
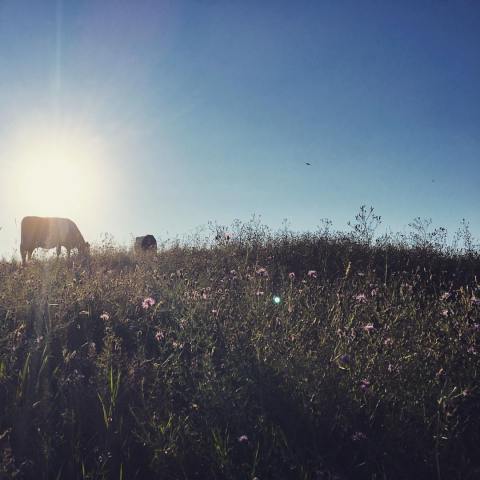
{"x": 309, "y": 356}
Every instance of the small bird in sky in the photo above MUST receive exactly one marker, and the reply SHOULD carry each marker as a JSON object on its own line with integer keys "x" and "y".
{"x": 309, "y": 164}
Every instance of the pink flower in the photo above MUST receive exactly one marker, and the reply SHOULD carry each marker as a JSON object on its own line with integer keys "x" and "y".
{"x": 312, "y": 273}
{"x": 445, "y": 296}
{"x": 368, "y": 327}
{"x": 388, "y": 341}
{"x": 374, "y": 292}
{"x": 104, "y": 316}
{"x": 148, "y": 302}
{"x": 291, "y": 275}
{"x": 262, "y": 272}
{"x": 159, "y": 336}
{"x": 243, "y": 439}
{"x": 361, "y": 298}
{"x": 444, "y": 312}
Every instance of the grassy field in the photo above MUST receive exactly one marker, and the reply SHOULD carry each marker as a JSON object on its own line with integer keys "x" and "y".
{"x": 315, "y": 356}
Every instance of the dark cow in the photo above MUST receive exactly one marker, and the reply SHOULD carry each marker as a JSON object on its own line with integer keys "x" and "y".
{"x": 147, "y": 243}
{"x": 50, "y": 232}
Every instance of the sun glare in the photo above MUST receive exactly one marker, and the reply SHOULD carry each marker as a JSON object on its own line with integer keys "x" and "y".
{"x": 55, "y": 172}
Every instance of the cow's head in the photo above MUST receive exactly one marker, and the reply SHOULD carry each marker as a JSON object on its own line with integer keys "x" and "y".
{"x": 84, "y": 249}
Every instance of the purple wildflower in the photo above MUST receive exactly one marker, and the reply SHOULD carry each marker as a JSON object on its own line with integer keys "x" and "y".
{"x": 364, "y": 384}
{"x": 358, "y": 436}
{"x": 312, "y": 273}
{"x": 291, "y": 275}
{"x": 345, "y": 358}
{"x": 243, "y": 439}
{"x": 368, "y": 327}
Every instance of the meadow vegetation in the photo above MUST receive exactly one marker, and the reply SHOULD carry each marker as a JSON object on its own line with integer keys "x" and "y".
{"x": 246, "y": 354}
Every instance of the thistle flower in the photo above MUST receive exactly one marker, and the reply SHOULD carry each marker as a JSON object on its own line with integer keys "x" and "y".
{"x": 243, "y": 439}
{"x": 445, "y": 296}
{"x": 474, "y": 300}
{"x": 159, "y": 336}
{"x": 345, "y": 358}
{"x": 361, "y": 298}
{"x": 368, "y": 327}
{"x": 148, "y": 302}
{"x": 262, "y": 272}
{"x": 104, "y": 316}
{"x": 291, "y": 275}
{"x": 312, "y": 273}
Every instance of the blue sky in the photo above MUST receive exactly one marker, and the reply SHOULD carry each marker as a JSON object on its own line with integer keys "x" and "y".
{"x": 208, "y": 110}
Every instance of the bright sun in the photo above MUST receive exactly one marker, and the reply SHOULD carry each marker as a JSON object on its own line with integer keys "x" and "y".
{"x": 55, "y": 171}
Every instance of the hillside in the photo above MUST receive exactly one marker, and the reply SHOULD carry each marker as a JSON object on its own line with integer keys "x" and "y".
{"x": 310, "y": 356}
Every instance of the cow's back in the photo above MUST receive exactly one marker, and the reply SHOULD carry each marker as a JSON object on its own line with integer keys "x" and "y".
{"x": 145, "y": 243}
{"x": 48, "y": 232}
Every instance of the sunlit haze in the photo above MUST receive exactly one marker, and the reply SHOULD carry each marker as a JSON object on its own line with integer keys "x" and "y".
{"x": 156, "y": 117}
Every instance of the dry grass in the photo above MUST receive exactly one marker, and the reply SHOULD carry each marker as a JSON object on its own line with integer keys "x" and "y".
{"x": 367, "y": 368}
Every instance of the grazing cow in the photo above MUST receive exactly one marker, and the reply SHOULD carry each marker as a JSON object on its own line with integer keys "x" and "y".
{"x": 147, "y": 243}
{"x": 50, "y": 232}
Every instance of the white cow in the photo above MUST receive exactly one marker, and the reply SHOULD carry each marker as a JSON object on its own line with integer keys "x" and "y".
{"x": 50, "y": 232}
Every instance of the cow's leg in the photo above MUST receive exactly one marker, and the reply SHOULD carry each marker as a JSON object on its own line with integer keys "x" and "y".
{"x": 59, "y": 250}
{"x": 23, "y": 253}
{"x": 29, "y": 254}
{"x": 68, "y": 252}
